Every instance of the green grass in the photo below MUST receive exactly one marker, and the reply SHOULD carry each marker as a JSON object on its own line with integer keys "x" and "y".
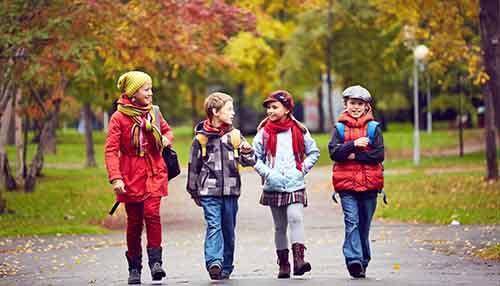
{"x": 65, "y": 201}
{"x": 441, "y": 198}
{"x": 472, "y": 160}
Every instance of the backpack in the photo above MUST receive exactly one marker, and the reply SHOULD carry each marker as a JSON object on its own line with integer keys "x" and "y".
{"x": 234, "y": 135}
{"x": 370, "y": 130}
{"x": 168, "y": 154}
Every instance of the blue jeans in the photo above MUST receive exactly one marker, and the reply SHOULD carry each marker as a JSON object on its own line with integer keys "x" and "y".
{"x": 220, "y": 217}
{"x": 358, "y": 210}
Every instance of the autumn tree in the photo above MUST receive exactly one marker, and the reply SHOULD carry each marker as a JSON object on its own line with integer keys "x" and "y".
{"x": 255, "y": 55}
{"x": 82, "y": 46}
{"x": 451, "y": 31}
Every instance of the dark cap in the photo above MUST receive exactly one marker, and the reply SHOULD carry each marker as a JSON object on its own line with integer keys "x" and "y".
{"x": 281, "y": 96}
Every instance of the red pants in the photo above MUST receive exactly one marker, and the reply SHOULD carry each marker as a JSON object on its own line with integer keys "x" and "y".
{"x": 137, "y": 213}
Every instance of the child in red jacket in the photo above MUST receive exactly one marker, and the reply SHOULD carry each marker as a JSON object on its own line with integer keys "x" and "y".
{"x": 357, "y": 148}
{"x": 133, "y": 155}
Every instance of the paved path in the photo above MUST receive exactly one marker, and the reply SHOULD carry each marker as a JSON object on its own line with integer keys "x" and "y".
{"x": 403, "y": 254}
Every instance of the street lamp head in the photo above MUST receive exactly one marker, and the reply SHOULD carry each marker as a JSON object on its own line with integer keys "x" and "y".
{"x": 421, "y": 52}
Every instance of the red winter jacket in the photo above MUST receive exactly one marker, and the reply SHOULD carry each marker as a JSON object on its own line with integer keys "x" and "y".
{"x": 143, "y": 176}
{"x": 365, "y": 172}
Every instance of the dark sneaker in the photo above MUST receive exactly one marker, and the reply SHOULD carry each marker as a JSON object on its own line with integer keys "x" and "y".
{"x": 215, "y": 272}
{"x": 224, "y": 275}
{"x": 134, "y": 277}
{"x": 157, "y": 272}
{"x": 356, "y": 269}
{"x": 362, "y": 274}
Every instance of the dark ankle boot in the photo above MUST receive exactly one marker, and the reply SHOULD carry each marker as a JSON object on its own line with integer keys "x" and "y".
{"x": 134, "y": 269}
{"x": 299, "y": 265}
{"x": 155, "y": 262}
{"x": 284, "y": 264}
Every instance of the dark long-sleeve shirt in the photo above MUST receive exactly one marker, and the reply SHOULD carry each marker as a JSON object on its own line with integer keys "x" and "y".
{"x": 339, "y": 151}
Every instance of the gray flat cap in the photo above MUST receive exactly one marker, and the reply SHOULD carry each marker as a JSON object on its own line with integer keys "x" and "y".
{"x": 357, "y": 92}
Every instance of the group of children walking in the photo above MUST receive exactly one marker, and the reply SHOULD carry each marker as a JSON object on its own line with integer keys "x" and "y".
{"x": 282, "y": 153}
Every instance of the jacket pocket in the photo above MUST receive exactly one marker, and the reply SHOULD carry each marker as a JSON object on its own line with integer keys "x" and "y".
{"x": 374, "y": 177}
{"x": 294, "y": 177}
{"x": 275, "y": 180}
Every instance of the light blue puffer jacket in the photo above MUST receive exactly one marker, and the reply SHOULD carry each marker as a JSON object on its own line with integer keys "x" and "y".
{"x": 284, "y": 175}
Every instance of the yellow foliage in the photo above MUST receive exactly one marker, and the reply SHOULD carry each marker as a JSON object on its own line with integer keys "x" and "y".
{"x": 255, "y": 56}
{"x": 254, "y": 61}
{"x": 446, "y": 27}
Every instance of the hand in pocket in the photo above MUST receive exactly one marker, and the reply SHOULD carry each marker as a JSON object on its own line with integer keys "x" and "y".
{"x": 275, "y": 179}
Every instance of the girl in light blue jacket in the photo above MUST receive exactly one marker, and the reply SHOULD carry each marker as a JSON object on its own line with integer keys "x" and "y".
{"x": 285, "y": 153}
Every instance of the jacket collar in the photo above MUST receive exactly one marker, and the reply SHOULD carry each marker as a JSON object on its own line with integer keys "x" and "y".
{"x": 355, "y": 122}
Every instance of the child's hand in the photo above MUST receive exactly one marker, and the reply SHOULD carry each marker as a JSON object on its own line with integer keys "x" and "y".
{"x": 245, "y": 147}
{"x": 361, "y": 142}
{"x": 275, "y": 178}
{"x": 351, "y": 156}
{"x": 119, "y": 187}
{"x": 164, "y": 141}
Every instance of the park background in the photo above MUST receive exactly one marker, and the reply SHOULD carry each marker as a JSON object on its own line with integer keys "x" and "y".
{"x": 60, "y": 61}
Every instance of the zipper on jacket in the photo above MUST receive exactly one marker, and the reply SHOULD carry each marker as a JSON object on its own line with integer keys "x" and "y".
{"x": 204, "y": 179}
{"x": 222, "y": 164}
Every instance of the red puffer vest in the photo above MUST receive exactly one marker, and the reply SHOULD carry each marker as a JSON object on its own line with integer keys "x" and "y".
{"x": 352, "y": 175}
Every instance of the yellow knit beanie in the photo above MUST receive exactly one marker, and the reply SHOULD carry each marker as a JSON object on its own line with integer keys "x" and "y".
{"x": 130, "y": 82}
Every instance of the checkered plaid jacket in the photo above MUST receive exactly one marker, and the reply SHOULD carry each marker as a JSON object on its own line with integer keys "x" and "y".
{"x": 217, "y": 174}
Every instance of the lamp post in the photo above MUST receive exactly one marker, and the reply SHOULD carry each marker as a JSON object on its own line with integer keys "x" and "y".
{"x": 419, "y": 54}
{"x": 429, "y": 111}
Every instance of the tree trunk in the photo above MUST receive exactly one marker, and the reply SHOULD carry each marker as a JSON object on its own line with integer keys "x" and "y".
{"x": 281, "y": 44}
{"x": 460, "y": 127}
{"x": 489, "y": 19}
{"x": 6, "y": 179}
{"x": 11, "y": 128}
{"x": 320, "y": 109}
{"x": 240, "y": 97}
{"x": 89, "y": 142}
{"x": 194, "y": 118}
{"x": 50, "y": 141}
{"x": 45, "y": 138}
{"x": 3, "y": 203}
{"x": 37, "y": 162}
{"x": 491, "y": 149}
{"x": 329, "y": 63}
{"x": 21, "y": 134}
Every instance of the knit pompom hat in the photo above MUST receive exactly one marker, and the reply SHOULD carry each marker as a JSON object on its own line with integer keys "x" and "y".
{"x": 130, "y": 82}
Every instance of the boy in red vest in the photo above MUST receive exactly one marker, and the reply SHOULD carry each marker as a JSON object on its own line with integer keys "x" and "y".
{"x": 357, "y": 149}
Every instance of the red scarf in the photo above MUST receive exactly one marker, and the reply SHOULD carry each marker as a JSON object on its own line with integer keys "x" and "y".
{"x": 221, "y": 130}
{"x": 273, "y": 128}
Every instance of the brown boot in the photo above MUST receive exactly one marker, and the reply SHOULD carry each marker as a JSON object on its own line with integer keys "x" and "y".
{"x": 299, "y": 265}
{"x": 284, "y": 271}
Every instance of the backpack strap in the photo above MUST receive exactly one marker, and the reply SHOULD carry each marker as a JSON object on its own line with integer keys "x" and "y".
{"x": 370, "y": 130}
{"x": 156, "y": 114}
{"x": 203, "y": 140}
{"x": 340, "y": 128}
{"x": 235, "y": 137}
